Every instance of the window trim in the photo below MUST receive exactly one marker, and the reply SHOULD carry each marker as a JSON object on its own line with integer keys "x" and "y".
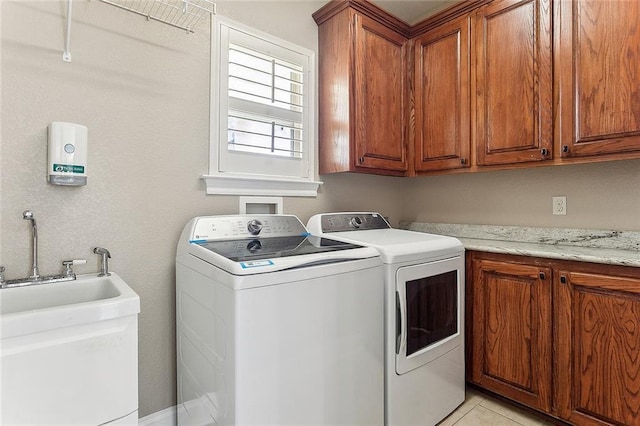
{"x": 234, "y": 183}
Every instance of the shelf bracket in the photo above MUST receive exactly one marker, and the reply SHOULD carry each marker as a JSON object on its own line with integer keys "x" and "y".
{"x": 66, "y": 55}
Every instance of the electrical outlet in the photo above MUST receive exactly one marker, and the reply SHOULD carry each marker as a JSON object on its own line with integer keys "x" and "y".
{"x": 559, "y": 205}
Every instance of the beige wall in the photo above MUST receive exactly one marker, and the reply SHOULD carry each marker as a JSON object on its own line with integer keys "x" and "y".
{"x": 142, "y": 90}
{"x": 599, "y": 196}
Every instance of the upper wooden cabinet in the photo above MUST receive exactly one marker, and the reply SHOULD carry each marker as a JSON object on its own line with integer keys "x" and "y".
{"x": 599, "y": 74}
{"x": 363, "y": 94}
{"x": 442, "y": 99}
{"x": 485, "y": 84}
{"x": 513, "y": 82}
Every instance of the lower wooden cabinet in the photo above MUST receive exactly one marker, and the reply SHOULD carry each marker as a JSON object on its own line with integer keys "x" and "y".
{"x": 598, "y": 345}
{"x": 512, "y": 332}
{"x": 560, "y": 337}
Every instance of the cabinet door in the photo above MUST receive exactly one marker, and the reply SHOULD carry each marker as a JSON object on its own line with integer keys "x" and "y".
{"x": 512, "y": 330}
{"x": 514, "y": 92}
{"x": 599, "y": 71}
{"x": 442, "y": 99}
{"x": 380, "y": 96}
{"x": 597, "y": 318}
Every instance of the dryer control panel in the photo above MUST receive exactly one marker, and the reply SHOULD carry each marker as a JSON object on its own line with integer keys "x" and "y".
{"x": 337, "y": 222}
{"x": 237, "y": 227}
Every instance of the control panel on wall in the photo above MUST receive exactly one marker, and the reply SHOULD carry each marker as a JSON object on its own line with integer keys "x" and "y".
{"x": 67, "y": 154}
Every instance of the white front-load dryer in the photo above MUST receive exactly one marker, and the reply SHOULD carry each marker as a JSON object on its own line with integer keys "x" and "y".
{"x": 275, "y": 326}
{"x": 424, "y": 314}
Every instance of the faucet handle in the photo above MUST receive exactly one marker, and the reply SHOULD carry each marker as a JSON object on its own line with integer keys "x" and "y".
{"x": 68, "y": 271}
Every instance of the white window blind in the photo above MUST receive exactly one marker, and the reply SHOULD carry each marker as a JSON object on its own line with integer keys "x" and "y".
{"x": 265, "y": 103}
{"x": 261, "y": 106}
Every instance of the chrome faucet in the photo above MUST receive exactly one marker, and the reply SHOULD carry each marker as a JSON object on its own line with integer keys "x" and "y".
{"x": 35, "y": 273}
{"x": 104, "y": 271}
{"x": 67, "y": 274}
{"x": 35, "y": 277}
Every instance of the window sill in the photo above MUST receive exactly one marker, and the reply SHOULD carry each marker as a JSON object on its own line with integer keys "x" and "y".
{"x": 249, "y": 185}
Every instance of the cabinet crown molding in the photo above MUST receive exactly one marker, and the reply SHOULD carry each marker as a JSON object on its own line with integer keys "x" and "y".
{"x": 366, "y": 8}
{"x": 371, "y": 10}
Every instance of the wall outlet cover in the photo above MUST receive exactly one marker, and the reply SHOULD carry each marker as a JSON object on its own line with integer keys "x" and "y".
{"x": 559, "y": 205}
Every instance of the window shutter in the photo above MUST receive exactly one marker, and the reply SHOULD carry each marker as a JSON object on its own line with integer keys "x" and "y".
{"x": 262, "y": 111}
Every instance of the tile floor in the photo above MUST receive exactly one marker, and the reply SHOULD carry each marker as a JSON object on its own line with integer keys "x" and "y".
{"x": 482, "y": 410}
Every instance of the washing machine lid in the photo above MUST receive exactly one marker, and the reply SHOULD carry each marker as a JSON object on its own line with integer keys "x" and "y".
{"x": 245, "y": 245}
{"x": 394, "y": 245}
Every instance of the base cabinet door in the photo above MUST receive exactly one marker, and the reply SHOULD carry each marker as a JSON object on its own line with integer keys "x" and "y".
{"x": 512, "y": 330}
{"x": 562, "y": 337}
{"x": 597, "y": 323}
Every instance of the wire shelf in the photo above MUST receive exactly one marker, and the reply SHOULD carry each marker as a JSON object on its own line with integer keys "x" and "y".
{"x": 183, "y": 14}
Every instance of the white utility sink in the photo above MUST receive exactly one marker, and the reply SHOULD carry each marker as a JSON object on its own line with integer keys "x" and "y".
{"x": 42, "y": 307}
{"x": 69, "y": 352}
{"x": 34, "y": 297}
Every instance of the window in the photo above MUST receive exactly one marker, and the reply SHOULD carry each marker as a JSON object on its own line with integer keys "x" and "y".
{"x": 262, "y": 99}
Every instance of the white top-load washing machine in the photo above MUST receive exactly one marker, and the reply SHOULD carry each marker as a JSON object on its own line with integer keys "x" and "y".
{"x": 277, "y": 327}
{"x": 424, "y": 314}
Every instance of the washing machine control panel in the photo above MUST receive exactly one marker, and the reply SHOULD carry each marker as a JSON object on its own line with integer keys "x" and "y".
{"x": 337, "y": 222}
{"x": 239, "y": 227}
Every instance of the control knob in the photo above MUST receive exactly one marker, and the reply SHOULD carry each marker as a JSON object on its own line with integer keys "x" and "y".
{"x": 254, "y": 246}
{"x": 355, "y": 222}
{"x": 254, "y": 227}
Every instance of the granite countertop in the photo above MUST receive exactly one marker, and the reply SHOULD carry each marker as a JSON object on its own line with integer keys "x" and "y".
{"x": 585, "y": 245}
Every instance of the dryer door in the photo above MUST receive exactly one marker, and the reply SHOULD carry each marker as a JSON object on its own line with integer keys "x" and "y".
{"x": 429, "y": 311}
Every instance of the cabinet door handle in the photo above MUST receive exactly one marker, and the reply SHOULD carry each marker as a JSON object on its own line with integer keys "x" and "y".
{"x": 463, "y": 161}
{"x": 563, "y": 279}
{"x": 542, "y": 276}
{"x": 544, "y": 152}
{"x": 565, "y": 148}
{"x": 361, "y": 159}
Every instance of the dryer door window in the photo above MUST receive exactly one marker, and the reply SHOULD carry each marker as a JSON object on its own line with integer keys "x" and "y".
{"x": 432, "y": 310}
{"x": 429, "y": 311}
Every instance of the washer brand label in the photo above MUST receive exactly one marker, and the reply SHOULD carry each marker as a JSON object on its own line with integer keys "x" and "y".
{"x": 256, "y": 264}
{"x": 67, "y": 168}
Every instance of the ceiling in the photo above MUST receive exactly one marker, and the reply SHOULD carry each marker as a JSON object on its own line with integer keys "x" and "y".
{"x": 413, "y": 11}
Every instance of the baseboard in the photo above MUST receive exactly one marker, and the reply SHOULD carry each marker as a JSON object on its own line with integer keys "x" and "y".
{"x": 166, "y": 417}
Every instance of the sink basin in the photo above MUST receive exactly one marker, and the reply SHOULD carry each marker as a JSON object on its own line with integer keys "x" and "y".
{"x": 69, "y": 353}
{"x": 43, "y": 307}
